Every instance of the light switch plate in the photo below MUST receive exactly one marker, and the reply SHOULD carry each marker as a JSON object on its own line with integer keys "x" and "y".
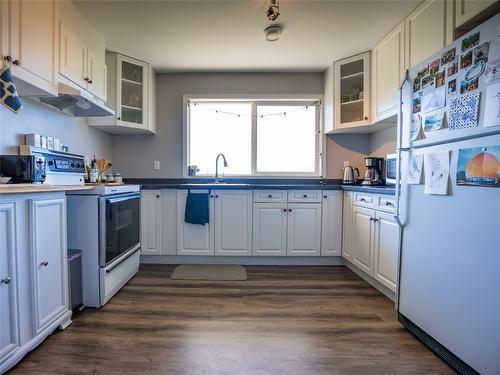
{"x": 156, "y": 165}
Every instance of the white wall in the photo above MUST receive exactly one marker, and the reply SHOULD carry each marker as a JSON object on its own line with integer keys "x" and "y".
{"x": 383, "y": 142}
{"x": 38, "y": 118}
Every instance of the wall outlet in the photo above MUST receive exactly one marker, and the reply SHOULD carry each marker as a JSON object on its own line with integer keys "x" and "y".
{"x": 156, "y": 165}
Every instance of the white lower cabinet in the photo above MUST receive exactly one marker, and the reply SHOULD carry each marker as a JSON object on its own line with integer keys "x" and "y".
{"x": 386, "y": 249}
{"x": 151, "y": 222}
{"x": 331, "y": 223}
{"x": 229, "y": 231}
{"x": 373, "y": 235}
{"x": 269, "y": 229}
{"x": 347, "y": 225}
{"x": 49, "y": 264}
{"x": 362, "y": 238}
{"x": 304, "y": 229}
{"x": 9, "y": 322}
{"x": 33, "y": 272}
{"x": 194, "y": 239}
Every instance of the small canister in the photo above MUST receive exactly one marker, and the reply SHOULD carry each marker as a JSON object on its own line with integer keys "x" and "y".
{"x": 110, "y": 178}
{"x": 44, "y": 141}
{"x": 118, "y": 178}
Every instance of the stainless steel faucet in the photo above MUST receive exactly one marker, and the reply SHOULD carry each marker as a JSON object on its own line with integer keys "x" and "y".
{"x": 217, "y": 178}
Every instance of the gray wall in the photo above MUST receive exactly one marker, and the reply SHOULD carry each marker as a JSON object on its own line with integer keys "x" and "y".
{"x": 134, "y": 155}
{"x": 383, "y": 142}
{"x": 38, "y": 118}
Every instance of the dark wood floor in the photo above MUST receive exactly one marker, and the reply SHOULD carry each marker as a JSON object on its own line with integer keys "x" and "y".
{"x": 283, "y": 320}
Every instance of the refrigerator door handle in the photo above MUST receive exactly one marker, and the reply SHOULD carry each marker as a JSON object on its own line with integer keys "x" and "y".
{"x": 399, "y": 150}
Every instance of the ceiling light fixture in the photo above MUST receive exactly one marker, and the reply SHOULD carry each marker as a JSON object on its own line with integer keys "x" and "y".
{"x": 274, "y": 10}
{"x": 273, "y": 32}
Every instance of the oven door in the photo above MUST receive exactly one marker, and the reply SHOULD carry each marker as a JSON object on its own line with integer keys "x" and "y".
{"x": 119, "y": 227}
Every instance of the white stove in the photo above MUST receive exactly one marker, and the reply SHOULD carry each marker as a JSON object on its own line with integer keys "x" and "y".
{"x": 104, "y": 189}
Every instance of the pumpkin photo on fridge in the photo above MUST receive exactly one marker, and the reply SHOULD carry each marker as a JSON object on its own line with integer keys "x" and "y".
{"x": 479, "y": 166}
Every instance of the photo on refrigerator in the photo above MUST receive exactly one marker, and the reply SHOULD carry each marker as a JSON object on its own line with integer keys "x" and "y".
{"x": 479, "y": 166}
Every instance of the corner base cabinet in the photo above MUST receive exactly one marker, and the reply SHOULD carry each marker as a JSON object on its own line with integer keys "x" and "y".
{"x": 370, "y": 236}
{"x": 33, "y": 272}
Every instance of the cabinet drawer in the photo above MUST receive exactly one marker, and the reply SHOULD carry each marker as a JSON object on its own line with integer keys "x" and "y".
{"x": 364, "y": 200}
{"x": 386, "y": 203}
{"x": 304, "y": 196}
{"x": 265, "y": 196}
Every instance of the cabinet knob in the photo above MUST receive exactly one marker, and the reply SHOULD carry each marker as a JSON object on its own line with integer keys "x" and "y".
{"x": 325, "y": 196}
{"x": 5, "y": 280}
{"x": 44, "y": 263}
{"x": 7, "y": 58}
{"x": 211, "y": 196}
{"x": 157, "y": 196}
{"x": 90, "y": 81}
{"x": 270, "y": 196}
{"x": 16, "y": 62}
{"x": 118, "y": 118}
{"x": 372, "y": 219}
{"x": 388, "y": 203}
{"x": 362, "y": 200}
{"x": 289, "y": 210}
{"x": 216, "y": 196}
{"x": 366, "y": 118}
{"x": 284, "y": 210}
{"x": 305, "y": 195}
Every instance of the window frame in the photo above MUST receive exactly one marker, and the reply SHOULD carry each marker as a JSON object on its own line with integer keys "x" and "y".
{"x": 256, "y": 101}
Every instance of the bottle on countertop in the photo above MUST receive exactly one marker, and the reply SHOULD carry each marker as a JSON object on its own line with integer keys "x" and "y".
{"x": 94, "y": 172}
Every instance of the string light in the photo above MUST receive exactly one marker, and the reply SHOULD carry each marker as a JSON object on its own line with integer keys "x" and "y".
{"x": 217, "y": 111}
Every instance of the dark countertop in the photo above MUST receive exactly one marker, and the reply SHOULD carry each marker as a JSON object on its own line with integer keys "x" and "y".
{"x": 253, "y": 183}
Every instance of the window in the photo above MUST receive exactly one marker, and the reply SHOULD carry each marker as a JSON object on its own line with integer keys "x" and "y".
{"x": 258, "y": 138}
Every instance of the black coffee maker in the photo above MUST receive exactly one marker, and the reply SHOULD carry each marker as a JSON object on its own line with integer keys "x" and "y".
{"x": 374, "y": 174}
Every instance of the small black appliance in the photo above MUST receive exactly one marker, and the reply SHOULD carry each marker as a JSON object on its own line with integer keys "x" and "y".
{"x": 23, "y": 168}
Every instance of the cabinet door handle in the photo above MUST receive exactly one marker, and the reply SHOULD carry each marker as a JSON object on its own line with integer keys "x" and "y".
{"x": 90, "y": 81}
{"x": 44, "y": 263}
{"x": 388, "y": 203}
{"x": 325, "y": 196}
{"x": 16, "y": 62}
{"x": 5, "y": 280}
{"x": 372, "y": 219}
{"x": 362, "y": 200}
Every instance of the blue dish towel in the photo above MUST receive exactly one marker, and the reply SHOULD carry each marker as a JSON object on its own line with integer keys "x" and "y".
{"x": 8, "y": 92}
{"x": 197, "y": 208}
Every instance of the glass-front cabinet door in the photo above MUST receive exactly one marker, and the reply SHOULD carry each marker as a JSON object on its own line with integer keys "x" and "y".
{"x": 132, "y": 77}
{"x": 352, "y": 91}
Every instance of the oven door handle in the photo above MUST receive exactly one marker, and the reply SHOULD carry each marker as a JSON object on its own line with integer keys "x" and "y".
{"x": 124, "y": 257}
{"x": 123, "y": 198}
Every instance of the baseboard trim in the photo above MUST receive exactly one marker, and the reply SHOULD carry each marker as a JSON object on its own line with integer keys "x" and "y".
{"x": 370, "y": 280}
{"x": 244, "y": 261}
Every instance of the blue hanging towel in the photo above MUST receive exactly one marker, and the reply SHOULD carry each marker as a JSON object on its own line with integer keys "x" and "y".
{"x": 8, "y": 92}
{"x": 197, "y": 208}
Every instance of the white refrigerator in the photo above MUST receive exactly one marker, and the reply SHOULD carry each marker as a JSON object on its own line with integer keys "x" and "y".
{"x": 449, "y": 261}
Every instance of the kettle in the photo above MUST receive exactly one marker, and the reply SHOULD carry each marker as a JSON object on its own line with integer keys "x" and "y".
{"x": 350, "y": 175}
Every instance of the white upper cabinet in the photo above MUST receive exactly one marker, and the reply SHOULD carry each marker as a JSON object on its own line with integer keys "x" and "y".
{"x": 233, "y": 222}
{"x": 331, "y": 223}
{"x": 131, "y": 94}
{"x": 304, "y": 229}
{"x": 269, "y": 228}
{"x": 97, "y": 76}
{"x": 72, "y": 57}
{"x": 466, "y": 10}
{"x": 388, "y": 69}
{"x": 428, "y": 29}
{"x": 352, "y": 91}
{"x": 29, "y": 38}
{"x": 9, "y": 325}
{"x": 49, "y": 264}
{"x": 79, "y": 64}
{"x": 151, "y": 222}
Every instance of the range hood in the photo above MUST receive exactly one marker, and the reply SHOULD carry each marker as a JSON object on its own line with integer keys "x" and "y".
{"x": 75, "y": 101}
